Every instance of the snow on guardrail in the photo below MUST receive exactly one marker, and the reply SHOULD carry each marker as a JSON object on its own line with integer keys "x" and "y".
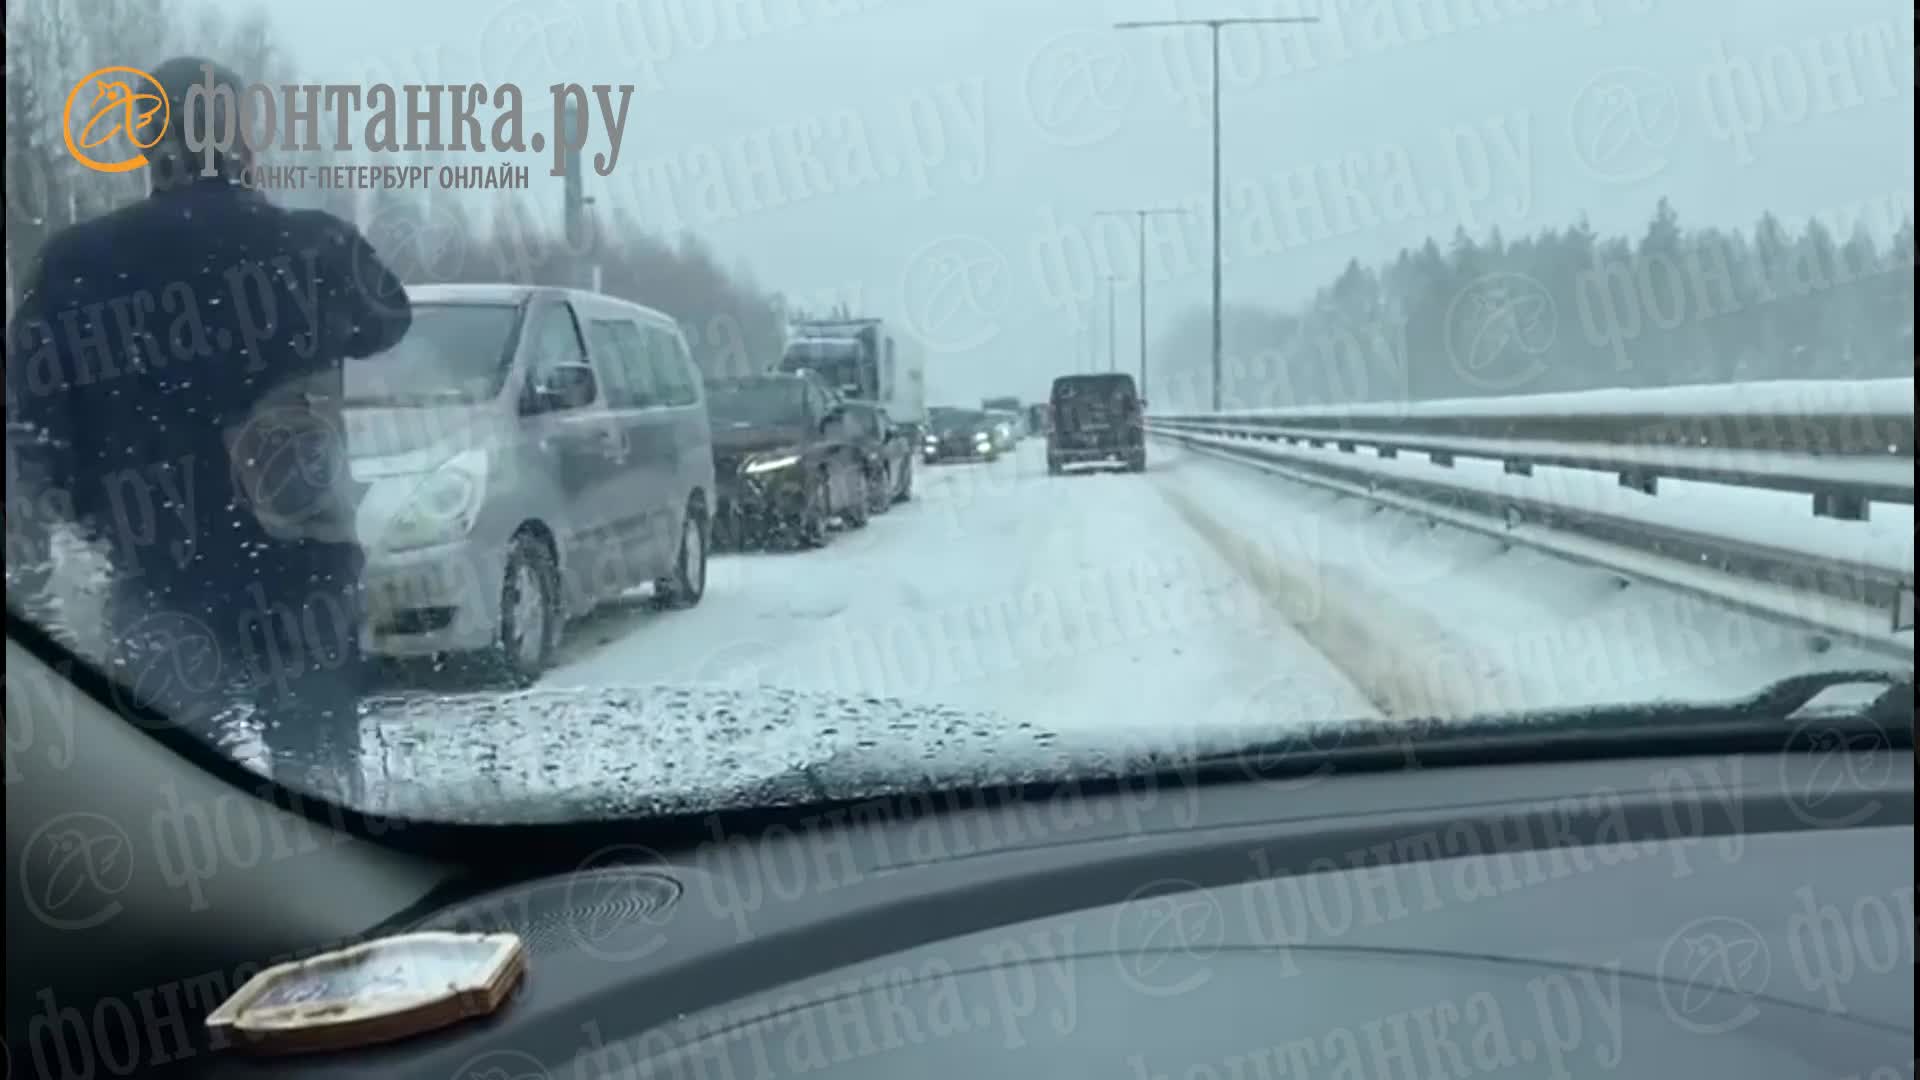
{"x": 1731, "y": 457}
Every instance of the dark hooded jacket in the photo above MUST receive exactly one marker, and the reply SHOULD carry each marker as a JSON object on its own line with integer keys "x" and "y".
{"x": 173, "y": 385}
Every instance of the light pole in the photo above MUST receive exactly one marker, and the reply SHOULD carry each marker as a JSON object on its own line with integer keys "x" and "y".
{"x": 1213, "y": 31}
{"x": 1113, "y": 344}
{"x": 1141, "y": 217}
{"x": 1089, "y": 348}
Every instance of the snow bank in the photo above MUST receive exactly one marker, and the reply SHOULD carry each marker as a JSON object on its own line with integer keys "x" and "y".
{"x": 1786, "y": 396}
{"x": 1443, "y": 622}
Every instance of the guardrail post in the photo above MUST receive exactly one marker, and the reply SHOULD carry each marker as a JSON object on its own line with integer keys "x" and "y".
{"x": 1441, "y": 458}
{"x": 1841, "y": 507}
{"x": 1389, "y": 452}
{"x": 1346, "y": 447}
{"x": 1518, "y": 468}
{"x": 1643, "y": 482}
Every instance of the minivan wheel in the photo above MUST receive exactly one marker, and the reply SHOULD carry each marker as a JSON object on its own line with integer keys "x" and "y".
{"x": 529, "y": 614}
{"x": 688, "y": 583}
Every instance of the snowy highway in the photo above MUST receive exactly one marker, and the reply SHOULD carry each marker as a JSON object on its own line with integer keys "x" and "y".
{"x": 1004, "y": 617}
{"x": 1202, "y": 595}
{"x": 1086, "y": 601}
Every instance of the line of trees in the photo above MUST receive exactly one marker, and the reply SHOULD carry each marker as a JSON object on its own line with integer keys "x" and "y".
{"x": 50, "y": 45}
{"x": 1567, "y": 309}
{"x": 732, "y": 323}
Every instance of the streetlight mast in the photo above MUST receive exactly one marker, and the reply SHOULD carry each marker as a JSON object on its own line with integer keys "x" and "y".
{"x": 1213, "y": 30}
{"x": 1113, "y": 342}
{"x": 1140, "y": 216}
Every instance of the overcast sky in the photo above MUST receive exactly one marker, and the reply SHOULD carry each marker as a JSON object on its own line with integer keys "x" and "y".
{"x": 963, "y": 147}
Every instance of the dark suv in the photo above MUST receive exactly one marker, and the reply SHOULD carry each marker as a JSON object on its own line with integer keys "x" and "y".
{"x": 1096, "y": 418}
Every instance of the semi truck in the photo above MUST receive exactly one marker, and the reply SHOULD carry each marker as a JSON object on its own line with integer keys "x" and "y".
{"x": 864, "y": 359}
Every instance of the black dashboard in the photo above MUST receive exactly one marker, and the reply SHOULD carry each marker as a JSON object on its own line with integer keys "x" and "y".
{"x": 1742, "y": 916}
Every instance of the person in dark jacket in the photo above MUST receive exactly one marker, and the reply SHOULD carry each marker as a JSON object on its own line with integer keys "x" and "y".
{"x": 174, "y": 385}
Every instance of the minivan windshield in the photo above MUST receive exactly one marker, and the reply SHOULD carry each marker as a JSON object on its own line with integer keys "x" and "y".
{"x": 758, "y": 403}
{"x": 453, "y": 354}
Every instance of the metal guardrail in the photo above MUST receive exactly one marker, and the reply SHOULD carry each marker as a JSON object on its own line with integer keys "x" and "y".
{"x": 1845, "y": 459}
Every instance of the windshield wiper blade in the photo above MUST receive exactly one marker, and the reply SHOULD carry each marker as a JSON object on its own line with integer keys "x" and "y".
{"x": 1766, "y": 721}
{"x": 1793, "y": 693}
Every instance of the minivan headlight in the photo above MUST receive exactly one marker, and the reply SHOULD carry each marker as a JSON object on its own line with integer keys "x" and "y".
{"x": 443, "y": 506}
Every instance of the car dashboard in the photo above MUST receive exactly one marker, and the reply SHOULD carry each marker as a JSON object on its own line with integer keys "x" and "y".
{"x": 1739, "y": 916}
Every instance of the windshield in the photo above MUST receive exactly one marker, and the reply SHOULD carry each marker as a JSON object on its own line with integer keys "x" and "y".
{"x": 1114, "y": 391}
{"x": 453, "y": 353}
{"x": 761, "y": 403}
{"x": 947, "y": 421}
{"x": 839, "y": 363}
{"x": 1508, "y": 361}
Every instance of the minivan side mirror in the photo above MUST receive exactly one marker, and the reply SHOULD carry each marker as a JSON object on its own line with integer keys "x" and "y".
{"x": 564, "y": 386}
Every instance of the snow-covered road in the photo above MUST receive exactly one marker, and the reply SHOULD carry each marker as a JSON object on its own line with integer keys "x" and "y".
{"x": 1087, "y": 602}
{"x": 1202, "y": 596}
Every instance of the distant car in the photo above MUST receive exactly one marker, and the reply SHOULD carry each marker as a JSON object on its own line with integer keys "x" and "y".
{"x": 1037, "y": 422}
{"x": 525, "y": 453}
{"x": 1010, "y": 405}
{"x": 958, "y": 435}
{"x": 786, "y": 459}
{"x": 1005, "y": 428}
{"x": 889, "y": 451}
{"x": 1096, "y": 419}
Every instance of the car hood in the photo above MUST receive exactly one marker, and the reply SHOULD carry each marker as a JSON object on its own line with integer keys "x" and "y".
{"x": 730, "y": 439}
{"x": 386, "y": 442}
{"x": 555, "y": 755}
{"x": 562, "y": 755}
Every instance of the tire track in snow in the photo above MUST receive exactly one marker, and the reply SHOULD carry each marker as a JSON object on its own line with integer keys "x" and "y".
{"x": 1365, "y": 634}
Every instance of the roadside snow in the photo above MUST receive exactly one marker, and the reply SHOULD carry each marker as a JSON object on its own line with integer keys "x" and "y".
{"x": 1772, "y": 518}
{"x": 1848, "y": 397}
{"x": 1442, "y": 622}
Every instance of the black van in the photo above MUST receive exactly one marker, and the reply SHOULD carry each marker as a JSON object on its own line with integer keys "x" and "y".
{"x": 1096, "y": 418}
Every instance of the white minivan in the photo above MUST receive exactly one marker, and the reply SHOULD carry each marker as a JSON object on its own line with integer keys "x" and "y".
{"x": 524, "y": 454}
